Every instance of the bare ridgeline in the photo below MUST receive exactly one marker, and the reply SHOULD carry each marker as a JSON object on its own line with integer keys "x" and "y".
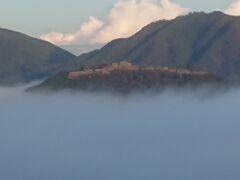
{"x": 127, "y": 66}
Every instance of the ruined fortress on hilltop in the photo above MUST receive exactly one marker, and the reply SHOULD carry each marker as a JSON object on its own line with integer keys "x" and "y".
{"x": 127, "y": 66}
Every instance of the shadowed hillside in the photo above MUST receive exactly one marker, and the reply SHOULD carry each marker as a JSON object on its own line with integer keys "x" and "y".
{"x": 23, "y": 59}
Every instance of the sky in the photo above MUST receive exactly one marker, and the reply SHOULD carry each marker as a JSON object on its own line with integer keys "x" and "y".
{"x": 88, "y": 24}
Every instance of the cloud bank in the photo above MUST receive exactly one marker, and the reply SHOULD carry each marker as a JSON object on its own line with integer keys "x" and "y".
{"x": 233, "y": 8}
{"x": 169, "y": 136}
{"x": 127, "y": 17}
{"x": 86, "y": 30}
{"x": 124, "y": 19}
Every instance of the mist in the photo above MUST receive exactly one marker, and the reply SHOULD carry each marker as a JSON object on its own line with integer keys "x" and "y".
{"x": 173, "y": 135}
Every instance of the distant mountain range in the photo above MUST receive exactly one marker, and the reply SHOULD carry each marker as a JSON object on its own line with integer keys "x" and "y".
{"x": 23, "y": 58}
{"x": 208, "y": 42}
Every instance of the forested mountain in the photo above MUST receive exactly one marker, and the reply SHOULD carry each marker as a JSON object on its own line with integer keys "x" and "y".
{"x": 202, "y": 41}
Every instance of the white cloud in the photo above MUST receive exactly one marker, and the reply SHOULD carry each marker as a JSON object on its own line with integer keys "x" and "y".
{"x": 86, "y": 30}
{"x": 127, "y": 17}
{"x": 233, "y": 8}
{"x": 124, "y": 19}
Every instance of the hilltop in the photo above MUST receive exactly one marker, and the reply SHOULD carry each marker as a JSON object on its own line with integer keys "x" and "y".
{"x": 124, "y": 77}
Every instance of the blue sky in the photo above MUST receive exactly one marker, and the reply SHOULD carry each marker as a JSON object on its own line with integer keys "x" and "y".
{"x": 35, "y": 17}
{"x": 39, "y": 16}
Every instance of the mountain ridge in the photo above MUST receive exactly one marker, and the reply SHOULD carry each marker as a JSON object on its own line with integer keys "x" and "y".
{"x": 202, "y": 41}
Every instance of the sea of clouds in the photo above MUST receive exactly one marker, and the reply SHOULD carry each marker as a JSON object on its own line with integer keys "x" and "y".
{"x": 172, "y": 135}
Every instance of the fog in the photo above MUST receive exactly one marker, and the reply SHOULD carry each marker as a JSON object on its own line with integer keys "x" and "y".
{"x": 80, "y": 136}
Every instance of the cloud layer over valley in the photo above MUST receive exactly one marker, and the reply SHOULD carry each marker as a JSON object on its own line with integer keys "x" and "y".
{"x": 101, "y": 137}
